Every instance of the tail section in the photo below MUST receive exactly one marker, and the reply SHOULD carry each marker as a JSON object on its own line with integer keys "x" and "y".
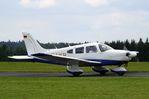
{"x": 32, "y": 46}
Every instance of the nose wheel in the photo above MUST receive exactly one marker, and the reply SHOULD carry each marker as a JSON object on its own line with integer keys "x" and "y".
{"x": 119, "y": 71}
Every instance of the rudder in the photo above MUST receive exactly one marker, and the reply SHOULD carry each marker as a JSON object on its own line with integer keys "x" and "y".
{"x": 32, "y": 46}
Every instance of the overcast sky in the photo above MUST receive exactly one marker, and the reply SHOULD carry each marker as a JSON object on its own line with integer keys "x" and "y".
{"x": 74, "y": 20}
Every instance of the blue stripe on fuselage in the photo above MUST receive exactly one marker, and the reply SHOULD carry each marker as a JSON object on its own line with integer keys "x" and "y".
{"x": 103, "y": 62}
{"x": 109, "y": 62}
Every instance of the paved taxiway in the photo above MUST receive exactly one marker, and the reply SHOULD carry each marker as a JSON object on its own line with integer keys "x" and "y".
{"x": 65, "y": 74}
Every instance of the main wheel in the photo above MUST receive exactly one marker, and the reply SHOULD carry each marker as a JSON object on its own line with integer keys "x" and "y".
{"x": 120, "y": 73}
{"x": 103, "y": 72}
{"x": 76, "y": 74}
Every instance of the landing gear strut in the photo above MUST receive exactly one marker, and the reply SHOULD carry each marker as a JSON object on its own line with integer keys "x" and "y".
{"x": 99, "y": 69}
{"x": 74, "y": 69}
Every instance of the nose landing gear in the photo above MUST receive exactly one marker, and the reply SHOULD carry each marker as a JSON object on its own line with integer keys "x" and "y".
{"x": 119, "y": 71}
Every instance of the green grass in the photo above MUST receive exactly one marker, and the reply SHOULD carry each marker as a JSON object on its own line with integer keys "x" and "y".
{"x": 138, "y": 66}
{"x": 71, "y": 87}
{"x": 29, "y": 67}
{"x": 39, "y": 67}
{"x": 74, "y": 88}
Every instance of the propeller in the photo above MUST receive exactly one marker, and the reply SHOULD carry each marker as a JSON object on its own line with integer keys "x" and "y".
{"x": 131, "y": 54}
{"x": 136, "y": 59}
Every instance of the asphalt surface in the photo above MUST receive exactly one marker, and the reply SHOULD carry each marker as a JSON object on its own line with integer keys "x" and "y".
{"x": 65, "y": 74}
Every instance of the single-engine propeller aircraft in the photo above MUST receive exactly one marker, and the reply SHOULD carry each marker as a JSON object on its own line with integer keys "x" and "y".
{"x": 95, "y": 55}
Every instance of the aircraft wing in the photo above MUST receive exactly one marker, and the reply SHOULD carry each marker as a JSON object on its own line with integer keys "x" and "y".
{"x": 66, "y": 59}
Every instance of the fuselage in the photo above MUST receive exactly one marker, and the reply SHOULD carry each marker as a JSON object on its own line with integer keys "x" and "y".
{"x": 95, "y": 55}
{"x": 96, "y": 52}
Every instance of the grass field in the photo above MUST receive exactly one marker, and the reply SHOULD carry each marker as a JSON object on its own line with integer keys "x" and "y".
{"x": 71, "y": 87}
{"x": 29, "y": 67}
{"x": 39, "y": 67}
{"x": 74, "y": 88}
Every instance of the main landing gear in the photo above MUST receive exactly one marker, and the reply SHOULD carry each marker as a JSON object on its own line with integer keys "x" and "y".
{"x": 74, "y": 70}
{"x": 103, "y": 70}
{"x": 99, "y": 69}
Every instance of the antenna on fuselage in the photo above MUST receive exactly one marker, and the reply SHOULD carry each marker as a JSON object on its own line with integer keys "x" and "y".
{"x": 55, "y": 46}
{"x": 125, "y": 48}
{"x": 68, "y": 44}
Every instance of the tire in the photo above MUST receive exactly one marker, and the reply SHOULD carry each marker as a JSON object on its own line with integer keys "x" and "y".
{"x": 102, "y": 73}
{"x": 120, "y": 73}
{"x": 76, "y": 74}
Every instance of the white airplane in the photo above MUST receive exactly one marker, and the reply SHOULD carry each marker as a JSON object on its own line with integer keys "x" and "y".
{"x": 95, "y": 55}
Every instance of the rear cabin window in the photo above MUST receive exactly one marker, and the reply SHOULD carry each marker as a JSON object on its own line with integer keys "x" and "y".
{"x": 80, "y": 50}
{"x": 91, "y": 49}
{"x": 70, "y": 51}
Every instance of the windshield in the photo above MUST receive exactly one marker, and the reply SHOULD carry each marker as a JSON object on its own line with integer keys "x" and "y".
{"x": 104, "y": 47}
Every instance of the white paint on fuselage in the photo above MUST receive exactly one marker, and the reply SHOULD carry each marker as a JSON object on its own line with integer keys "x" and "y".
{"x": 111, "y": 54}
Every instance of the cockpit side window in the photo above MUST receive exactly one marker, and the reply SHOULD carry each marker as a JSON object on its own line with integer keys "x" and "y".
{"x": 91, "y": 49}
{"x": 103, "y": 47}
{"x": 79, "y": 50}
{"x": 70, "y": 51}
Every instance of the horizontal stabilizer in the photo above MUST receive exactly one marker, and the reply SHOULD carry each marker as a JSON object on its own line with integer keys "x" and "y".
{"x": 20, "y": 57}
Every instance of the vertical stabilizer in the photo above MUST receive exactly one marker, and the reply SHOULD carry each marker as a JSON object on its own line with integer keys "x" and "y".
{"x": 32, "y": 46}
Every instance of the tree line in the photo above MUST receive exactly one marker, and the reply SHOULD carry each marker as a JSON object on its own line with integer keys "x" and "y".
{"x": 10, "y": 48}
